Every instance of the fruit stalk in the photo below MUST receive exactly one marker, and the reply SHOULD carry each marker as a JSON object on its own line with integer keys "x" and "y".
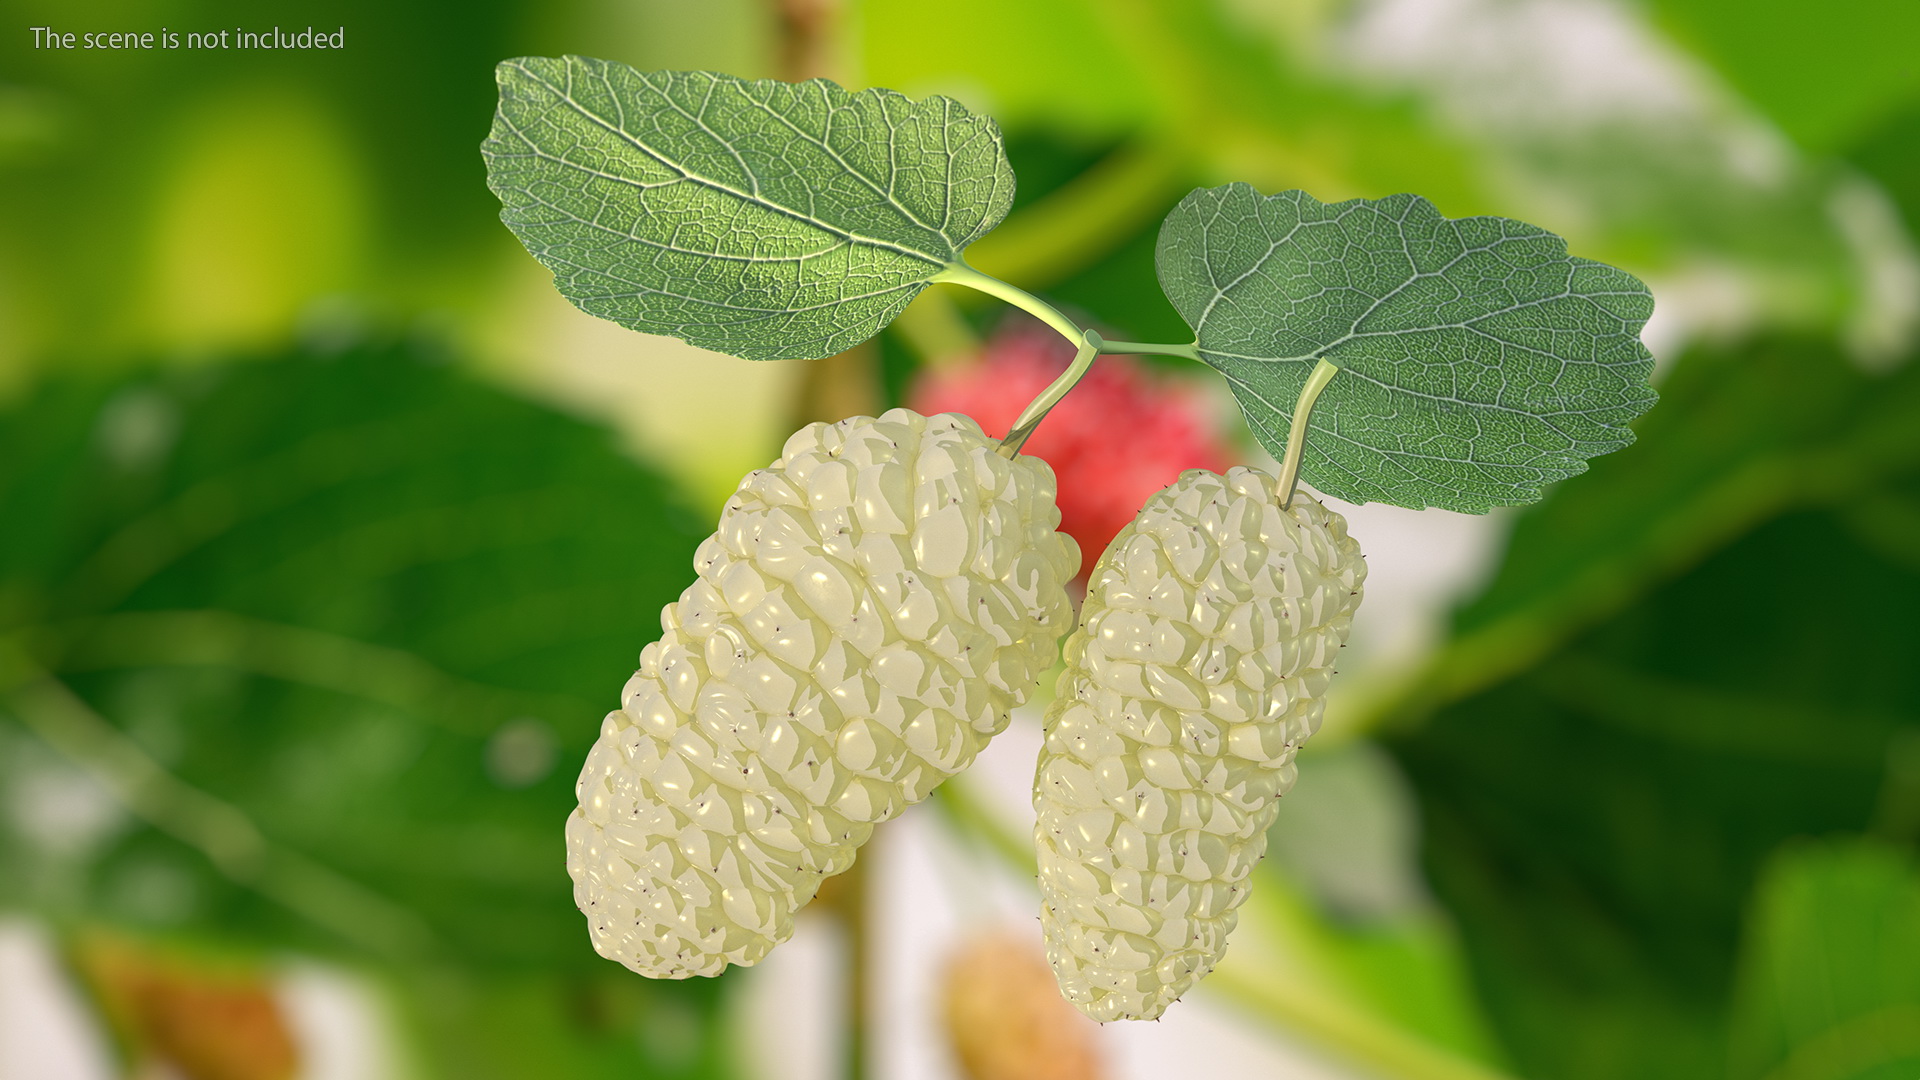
{"x": 1289, "y": 479}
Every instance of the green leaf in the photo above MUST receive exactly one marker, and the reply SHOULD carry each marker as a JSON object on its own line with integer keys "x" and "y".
{"x": 1648, "y": 702}
{"x": 765, "y": 219}
{"x": 1831, "y": 979}
{"x": 337, "y": 632}
{"x": 1744, "y": 434}
{"x": 1478, "y": 360}
{"x": 1596, "y": 825}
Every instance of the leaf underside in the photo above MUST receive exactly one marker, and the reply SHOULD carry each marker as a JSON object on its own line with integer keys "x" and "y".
{"x": 1479, "y": 361}
{"x": 765, "y": 219}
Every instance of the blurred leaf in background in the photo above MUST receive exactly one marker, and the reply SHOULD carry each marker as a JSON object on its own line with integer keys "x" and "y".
{"x": 1828, "y": 986}
{"x": 1685, "y": 662}
{"x": 332, "y": 629}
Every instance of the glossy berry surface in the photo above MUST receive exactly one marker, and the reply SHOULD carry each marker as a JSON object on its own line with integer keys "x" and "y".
{"x": 1204, "y": 650}
{"x": 869, "y": 609}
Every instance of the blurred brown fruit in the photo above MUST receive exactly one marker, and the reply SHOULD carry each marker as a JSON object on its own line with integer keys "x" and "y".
{"x": 208, "y": 1022}
{"x": 1005, "y": 1018}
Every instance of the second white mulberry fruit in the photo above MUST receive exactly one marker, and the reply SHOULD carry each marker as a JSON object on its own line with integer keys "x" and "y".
{"x": 1205, "y": 645}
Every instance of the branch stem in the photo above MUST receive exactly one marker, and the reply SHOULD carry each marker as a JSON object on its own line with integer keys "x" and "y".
{"x": 959, "y": 273}
{"x": 1154, "y": 348}
{"x": 1087, "y": 345}
{"x": 1323, "y": 373}
{"x": 1038, "y": 408}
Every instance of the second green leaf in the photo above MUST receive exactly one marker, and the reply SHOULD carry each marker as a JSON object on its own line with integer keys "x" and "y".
{"x": 1478, "y": 360}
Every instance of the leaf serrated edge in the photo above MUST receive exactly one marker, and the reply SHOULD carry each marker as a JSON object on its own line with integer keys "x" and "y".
{"x": 995, "y": 210}
{"x": 1561, "y": 468}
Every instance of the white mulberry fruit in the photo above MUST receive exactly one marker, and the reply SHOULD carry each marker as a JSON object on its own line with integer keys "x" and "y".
{"x": 1205, "y": 644}
{"x": 870, "y": 608}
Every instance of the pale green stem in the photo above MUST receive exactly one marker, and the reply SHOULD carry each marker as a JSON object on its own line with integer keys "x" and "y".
{"x": 959, "y": 273}
{"x": 1038, "y": 408}
{"x": 1323, "y": 373}
{"x": 1117, "y": 348}
{"x": 1086, "y": 343}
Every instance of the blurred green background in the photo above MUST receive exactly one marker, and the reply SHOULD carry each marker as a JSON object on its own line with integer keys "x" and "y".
{"x": 328, "y": 531}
